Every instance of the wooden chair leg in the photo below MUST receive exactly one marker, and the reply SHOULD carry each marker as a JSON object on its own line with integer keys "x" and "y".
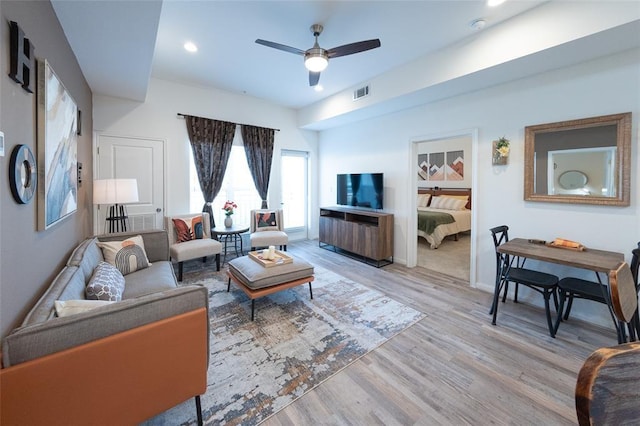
{"x": 179, "y": 271}
{"x": 218, "y": 262}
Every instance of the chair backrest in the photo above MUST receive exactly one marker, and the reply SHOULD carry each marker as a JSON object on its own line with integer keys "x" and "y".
{"x": 500, "y": 235}
{"x": 254, "y": 215}
{"x": 171, "y": 231}
{"x": 624, "y": 297}
{"x": 607, "y": 390}
{"x": 635, "y": 264}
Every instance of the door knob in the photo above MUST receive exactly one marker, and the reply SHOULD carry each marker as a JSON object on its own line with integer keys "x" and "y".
{"x": 158, "y": 210}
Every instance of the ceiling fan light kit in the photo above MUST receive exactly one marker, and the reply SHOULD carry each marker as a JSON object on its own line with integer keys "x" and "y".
{"x": 316, "y": 58}
{"x": 316, "y": 62}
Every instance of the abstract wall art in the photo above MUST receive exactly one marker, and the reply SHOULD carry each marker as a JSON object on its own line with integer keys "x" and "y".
{"x": 57, "y": 115}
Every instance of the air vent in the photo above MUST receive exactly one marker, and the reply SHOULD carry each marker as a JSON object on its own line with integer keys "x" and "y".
{"x": 361, "y": 93}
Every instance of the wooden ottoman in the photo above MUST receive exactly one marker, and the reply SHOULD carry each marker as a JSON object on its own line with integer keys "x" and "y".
{"x": 257, "y": 281}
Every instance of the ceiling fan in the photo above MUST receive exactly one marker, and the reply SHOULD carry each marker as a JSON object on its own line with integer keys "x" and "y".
{"x": 316, "y": 58}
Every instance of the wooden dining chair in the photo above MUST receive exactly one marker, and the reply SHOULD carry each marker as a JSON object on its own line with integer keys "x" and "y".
{"x": 635, "y": 266}
{"x": 624, "y": 297}
{"x": 607, "y": 391}
{"x": 511, "y": 269}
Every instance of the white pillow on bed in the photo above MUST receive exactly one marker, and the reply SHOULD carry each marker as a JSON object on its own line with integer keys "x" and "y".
{"x": 423, "y": 200}
{"x": 448, "y": 203}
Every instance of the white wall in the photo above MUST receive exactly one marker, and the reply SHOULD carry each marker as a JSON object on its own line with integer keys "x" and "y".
{"x": 157, "y": 118}
{"x": 606, "y": 86}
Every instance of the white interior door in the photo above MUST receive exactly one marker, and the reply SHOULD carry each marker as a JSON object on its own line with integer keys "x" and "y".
{"x": 133, "y": 158}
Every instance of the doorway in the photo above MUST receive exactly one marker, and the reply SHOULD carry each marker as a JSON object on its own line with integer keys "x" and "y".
{"x": 295, "y": 193}
{"x": 455, "y": 258}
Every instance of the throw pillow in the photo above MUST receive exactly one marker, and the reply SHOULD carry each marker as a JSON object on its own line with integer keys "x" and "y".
{"x": 423, "y": 200}
{"x": 128, "y": 255}
{"x": 188, "y": 229}
{"x": 448, "y": 203}
{"x": 266, "y": 221}
{"x": 106, "y": 283}
{"x": 64, "y": 308}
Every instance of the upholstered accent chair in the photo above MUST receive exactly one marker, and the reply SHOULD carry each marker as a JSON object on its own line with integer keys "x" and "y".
{"x": 190, "y": 238}
{"x": 267, "y": 229}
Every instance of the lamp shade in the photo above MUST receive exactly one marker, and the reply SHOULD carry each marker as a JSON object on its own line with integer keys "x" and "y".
{"x": 115, "y": 191}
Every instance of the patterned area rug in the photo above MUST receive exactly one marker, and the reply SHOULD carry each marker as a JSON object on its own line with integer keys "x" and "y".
{"x": 257, "y": 368}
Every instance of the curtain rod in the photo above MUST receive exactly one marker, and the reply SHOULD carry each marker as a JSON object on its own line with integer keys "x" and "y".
{"x": 184, "y": 115}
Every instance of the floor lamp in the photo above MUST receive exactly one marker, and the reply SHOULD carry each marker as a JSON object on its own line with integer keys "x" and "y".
{"x": 116, "y": 193}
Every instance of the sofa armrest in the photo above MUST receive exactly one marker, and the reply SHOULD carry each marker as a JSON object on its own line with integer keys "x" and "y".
{"x": 58, "y": 334}
{"x": 156, "y": 242}
{"x": 122, "y": 379}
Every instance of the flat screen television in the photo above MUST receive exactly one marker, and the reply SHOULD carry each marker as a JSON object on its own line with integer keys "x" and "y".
{"x": 361, "y": 190}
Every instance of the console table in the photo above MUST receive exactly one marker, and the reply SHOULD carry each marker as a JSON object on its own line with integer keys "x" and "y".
{"x": 368, "y": 235}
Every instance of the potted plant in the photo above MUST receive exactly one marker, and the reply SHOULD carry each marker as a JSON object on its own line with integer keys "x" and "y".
{"x": 501, "y": 151}
{"x": 228, "y": 208}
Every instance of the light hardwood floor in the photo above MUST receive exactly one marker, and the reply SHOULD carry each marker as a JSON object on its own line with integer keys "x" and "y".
{"x": 453, "y": 367}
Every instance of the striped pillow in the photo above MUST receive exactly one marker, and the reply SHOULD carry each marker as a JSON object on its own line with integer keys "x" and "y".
{"x": 448, "y": 203}
{"x": 128, "y": 255}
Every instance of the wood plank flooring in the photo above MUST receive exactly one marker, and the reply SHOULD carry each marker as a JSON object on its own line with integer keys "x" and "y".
{"x": 452, "y": 367}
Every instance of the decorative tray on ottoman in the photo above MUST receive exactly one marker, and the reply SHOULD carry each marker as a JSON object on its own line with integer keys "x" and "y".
{"x": 280, "y": 258}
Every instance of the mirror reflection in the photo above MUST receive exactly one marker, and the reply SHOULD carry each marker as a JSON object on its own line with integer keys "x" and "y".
{"x": 580, "y": 161}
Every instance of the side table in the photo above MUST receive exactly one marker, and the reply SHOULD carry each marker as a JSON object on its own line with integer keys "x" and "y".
{"x": 231, "y": 237}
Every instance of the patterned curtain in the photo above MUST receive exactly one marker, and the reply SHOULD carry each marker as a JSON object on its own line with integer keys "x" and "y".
{"x": 211, "y": 142}
{"x": 258, "y": 146}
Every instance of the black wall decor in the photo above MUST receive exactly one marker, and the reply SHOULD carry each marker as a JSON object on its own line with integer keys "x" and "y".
{"x": 22, "y": 62}
{"x": 23, "y": 174}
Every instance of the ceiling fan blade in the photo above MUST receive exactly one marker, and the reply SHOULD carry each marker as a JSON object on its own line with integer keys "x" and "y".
{"x": 314, "y": 78}
{"x": 280, "y": 47}
{"x": 349, "y": 49}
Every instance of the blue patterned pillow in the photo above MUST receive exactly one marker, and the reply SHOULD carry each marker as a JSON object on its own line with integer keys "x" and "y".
{"x": 106, "y": 283}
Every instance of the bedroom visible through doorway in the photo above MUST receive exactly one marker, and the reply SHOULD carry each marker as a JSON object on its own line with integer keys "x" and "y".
{"x": 443, "y": 201}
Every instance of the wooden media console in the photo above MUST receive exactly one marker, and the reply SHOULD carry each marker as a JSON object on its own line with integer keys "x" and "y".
{"x": 366, "y": 234}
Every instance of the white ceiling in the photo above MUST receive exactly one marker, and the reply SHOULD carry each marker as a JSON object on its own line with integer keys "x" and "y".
{"x": 121, "y": 44}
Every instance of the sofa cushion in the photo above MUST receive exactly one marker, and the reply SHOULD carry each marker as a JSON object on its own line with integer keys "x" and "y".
{"x": 86, "y": 256}
{"x": 106, "y": 283}
{"x": 127, "y": 255}
{"x": 157, "y": 277}
{"x": 69, "y": 284}
{"x": 64, "y": 308}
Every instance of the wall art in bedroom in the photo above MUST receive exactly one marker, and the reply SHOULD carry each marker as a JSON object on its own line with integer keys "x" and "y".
{"x": 454, "y": 169}
{"x": 432, "y": 166}
{"x": 57, "y": 115}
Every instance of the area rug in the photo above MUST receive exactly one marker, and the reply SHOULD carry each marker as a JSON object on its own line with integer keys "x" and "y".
{"x": 295, "y": 343}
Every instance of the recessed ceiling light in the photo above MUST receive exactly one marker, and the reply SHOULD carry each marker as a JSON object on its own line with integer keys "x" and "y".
{"x": 494, "y": 3}
{"x": 190, "y": 47}
{"x": 478, "y": 24}
{"x": 318, "y": 88}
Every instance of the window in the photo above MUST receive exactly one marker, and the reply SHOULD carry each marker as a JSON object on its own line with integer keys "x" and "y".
{"x": 237, "y": 186}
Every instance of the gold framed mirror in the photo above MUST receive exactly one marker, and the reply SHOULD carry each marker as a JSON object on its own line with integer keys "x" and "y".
{"x": 595, "y": 153}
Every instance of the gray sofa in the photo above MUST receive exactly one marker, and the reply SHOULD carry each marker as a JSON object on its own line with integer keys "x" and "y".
{"x": 138, "y": 357}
